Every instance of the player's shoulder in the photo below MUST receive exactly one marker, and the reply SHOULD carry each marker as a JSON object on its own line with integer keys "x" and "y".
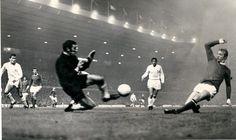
{"x": 18, "y": 65}
{"x": 6, "y": 64}
{"x": 159, "y": 65}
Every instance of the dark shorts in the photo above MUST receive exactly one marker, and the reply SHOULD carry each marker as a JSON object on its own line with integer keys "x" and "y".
{"x": 76, "y": 94}
{"x": 75, "y": 88}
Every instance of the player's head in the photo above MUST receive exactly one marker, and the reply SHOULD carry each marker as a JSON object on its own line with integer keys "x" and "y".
{"x": 154, "y": 61}
{"x": 35, "y": 71}
{"x": 222, "y": 55}
{"x": 53, "y": 89}
{"x": 12, "y": 58}
{"x": 70, "y": 47}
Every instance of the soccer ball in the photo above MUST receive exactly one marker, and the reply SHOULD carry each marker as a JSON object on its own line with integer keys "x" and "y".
{"x": 124, "y": 90}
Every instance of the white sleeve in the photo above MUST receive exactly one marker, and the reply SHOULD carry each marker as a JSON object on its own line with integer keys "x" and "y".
{"x": 20, "y": 72}
{"x": 146, "y": 73}
{"x": 3, "y": 69}
{"x": 162, "y": 76}
{"x": 82, "y": 59}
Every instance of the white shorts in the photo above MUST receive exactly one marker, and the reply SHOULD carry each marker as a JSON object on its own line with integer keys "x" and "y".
{"x": 35, "y": 89}
{"x": 156, "y": 84}
{"x": 207, "y": 87}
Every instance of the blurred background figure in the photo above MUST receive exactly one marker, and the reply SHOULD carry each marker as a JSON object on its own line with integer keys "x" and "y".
{"x": 142, "y": 101}
{"x": 53, "y": 97}
{"x": 133, "y": 99}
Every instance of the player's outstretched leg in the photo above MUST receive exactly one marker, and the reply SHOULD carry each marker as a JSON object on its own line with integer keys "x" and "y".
{"x": 102, "y": 86}
{"x": 106, "y": 95}
{"x": 189, "y": 105}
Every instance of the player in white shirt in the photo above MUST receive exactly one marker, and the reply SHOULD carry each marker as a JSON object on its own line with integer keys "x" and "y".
{"x": 15, "y": 74}
{"x": 155, "y": 79}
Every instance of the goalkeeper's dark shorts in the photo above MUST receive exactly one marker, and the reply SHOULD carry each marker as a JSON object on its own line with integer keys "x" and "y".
{"x": 75, "y": 90}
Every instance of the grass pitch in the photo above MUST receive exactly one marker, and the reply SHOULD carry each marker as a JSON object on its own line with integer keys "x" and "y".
{"x": 116, "y": 124}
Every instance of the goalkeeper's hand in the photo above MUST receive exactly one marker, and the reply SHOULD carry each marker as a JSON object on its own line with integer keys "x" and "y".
{"x": 84, "y": 63}
{"x": 222, "y": 41}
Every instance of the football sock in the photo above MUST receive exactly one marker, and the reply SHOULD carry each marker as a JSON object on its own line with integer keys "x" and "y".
{"x": 187, "y": 106}
{"x": 9, "y": 95}
{"x": 153, "y": 100}
{"x": 149, "y": 101}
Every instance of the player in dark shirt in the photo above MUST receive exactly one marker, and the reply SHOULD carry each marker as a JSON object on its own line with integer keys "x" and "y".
{"x": 35, "y": 86}
{"x": 217, "y": 71}
{"x": 73, "y": 79}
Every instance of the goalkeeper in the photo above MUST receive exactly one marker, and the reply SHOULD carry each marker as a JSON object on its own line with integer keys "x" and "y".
{"x": 73, "y": 79}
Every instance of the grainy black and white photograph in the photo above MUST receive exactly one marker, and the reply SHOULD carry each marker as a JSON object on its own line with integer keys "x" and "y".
{"x": 118, "y": 69}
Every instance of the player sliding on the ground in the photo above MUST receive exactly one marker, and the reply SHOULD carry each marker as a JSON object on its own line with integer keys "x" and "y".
{"x": 217, "y": 71}
{"x": 73, "y": 79}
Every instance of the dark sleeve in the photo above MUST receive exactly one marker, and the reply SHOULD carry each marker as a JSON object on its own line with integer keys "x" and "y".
{"x": 209, "y": 52}
{"x": 228, "y": 84}
{"x": 40, "y": 78}
{"x": 64, "y": 70}
{"x": 228, "y": 78}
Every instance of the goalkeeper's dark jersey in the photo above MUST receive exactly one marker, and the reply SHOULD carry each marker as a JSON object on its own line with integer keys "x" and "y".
{"x": 216, "y": 72}
{"x": 65, "y": 68}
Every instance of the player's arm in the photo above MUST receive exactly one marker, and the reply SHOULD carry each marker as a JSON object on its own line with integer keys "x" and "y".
{"x": 228, "y": 88}
{"x": 145, "y": 74}
{"x": 162, "y": 76}
{"x": 209, "y": 45}
{"x": 3, "y": 69}
{"x": 84, "y": 63}
{"x": 41, "y": 81}
{"x": 20, "y": 72}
